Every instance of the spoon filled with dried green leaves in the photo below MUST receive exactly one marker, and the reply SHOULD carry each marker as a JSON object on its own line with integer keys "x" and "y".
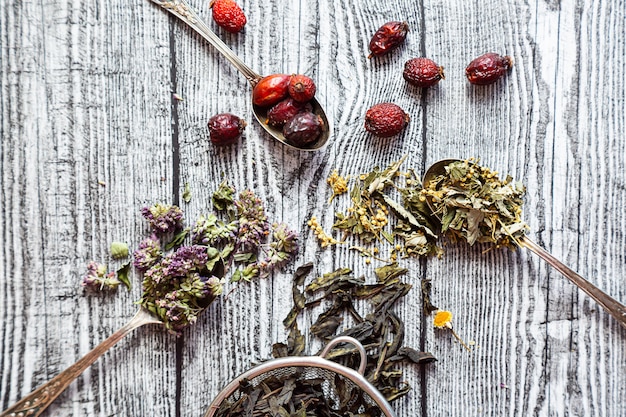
{"x": 475, "y": 205}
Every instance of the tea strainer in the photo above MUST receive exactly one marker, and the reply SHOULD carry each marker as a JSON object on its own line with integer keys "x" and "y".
{"x": 333, "y": 380}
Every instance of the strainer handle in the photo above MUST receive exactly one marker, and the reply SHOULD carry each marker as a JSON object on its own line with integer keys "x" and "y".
{"x": 352, "y": 341}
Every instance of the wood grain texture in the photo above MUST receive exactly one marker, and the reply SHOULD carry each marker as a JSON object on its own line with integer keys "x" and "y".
{"x": 92, "y": 132}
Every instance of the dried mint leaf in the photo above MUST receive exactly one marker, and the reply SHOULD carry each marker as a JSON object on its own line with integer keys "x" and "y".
{"x": 122, "y": 274}
{"x": 475, "y": 205}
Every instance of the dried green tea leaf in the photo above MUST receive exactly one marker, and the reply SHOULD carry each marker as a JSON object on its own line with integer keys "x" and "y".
{"x": 328, "y": 279}
{"x": 280, "y": 350}
{"x": 407, "y": 353}
{"x": 389, "y": 272}
{"x": 325, "y": 327}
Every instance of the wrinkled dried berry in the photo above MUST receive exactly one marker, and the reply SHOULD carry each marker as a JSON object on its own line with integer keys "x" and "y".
{"x": 385, "y": 120}
{"x": 422, "y": 72}
{"x": 225, "y": 128}
{"x": 285, "y": 110}
{"x": 301, "y": 88}
{"x": 488, "y": 68}
{"x": 271, "y": 89}
{"x": 303, "y": 129}
{"x": 388, "y": 37}
{"x": 228, "y": 15}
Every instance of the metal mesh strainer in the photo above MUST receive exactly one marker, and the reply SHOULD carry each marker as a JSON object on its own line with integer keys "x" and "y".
{"x": 341, "y": 386}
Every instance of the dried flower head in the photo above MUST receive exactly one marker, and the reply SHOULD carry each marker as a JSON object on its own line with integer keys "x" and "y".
{"x": 181, "y": 285}
{"x": 443, "y": 320}
{"x": 253, "y": 225}
{"x": 98, "y": 278}
{"x": 211, "y": 231}
{"x": 163, "y": 219}
{"x": 324, "y": 238}
{"x": 282, "y": 249}
{"x": 148, "y": 253}
{"x": 337, "y": 183}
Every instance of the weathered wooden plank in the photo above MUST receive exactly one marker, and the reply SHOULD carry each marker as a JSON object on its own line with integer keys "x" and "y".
{"x": 85, "y": 124}
{"x": 87, "y": 98}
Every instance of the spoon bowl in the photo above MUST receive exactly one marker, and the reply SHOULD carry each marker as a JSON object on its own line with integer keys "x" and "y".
{"x": 182, "y": 10}
{"x": 610, "y": 305}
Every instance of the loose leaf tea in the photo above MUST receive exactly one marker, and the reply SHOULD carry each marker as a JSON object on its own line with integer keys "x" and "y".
{"x": 380, "y": 331}
{"x": 475, "y": 205}
{"x": 385, "y": 210}
{"x": 299, "y": 392}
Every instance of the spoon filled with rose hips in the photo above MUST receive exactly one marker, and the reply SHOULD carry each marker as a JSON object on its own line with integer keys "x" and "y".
{"x": 283, "y": 104}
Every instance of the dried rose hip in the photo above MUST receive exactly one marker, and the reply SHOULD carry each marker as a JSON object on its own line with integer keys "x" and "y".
{"x": 388, "y": 37}
{"x": 228, "y": 15}
{"x": 285, "y": 110}
{"x": 488, "y": 68}
{"x": 422, "y": 72}
{"x": 303, "y": 129}
{"x": 271, "y": 89}
{"x": 385, "y": 120}
{"x": 225, "y": 128}
{"x": 301, "y": 88}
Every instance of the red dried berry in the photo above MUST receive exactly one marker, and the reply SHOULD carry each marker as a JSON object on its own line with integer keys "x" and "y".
{"x": 285, "y": 110}
{"x": 228, "y": 15}
{"x": 303, "y": 129}
{"x": 301, "y": 88}
{"x": 488, "y": 68}
{"x": 271, "y": 89}
{"x": 385, "y": 120}
{"x": 422, "y": 72}
{"x": 225, "y": 128}
{"x": 388, "y": 37}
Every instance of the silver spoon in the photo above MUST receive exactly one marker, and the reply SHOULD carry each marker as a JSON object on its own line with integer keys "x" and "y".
{"x": 612, "y": 306}
{"x": 182, "y": 10}
{"x": 35, "y": 403}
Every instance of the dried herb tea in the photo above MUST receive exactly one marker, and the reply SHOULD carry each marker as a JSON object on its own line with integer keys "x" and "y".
{"x": 180, "y": 280}
{"x": 475, "y": 205}
{"x": 385, "y": 210}
{"x": 299, "y": 392}
{"x": 380, "y": 331}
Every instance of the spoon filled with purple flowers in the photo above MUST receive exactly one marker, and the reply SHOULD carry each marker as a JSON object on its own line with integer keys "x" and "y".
{"x": 181, "y": 281}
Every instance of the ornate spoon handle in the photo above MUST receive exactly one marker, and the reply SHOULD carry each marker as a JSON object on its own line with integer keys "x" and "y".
{"x": 182, "y": 10}
{"x": 37, "y": 401}
{"x": 612, "y": 306}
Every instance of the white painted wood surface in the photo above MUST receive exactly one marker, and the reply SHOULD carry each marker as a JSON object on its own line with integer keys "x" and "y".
{"x": 91, "y": 133}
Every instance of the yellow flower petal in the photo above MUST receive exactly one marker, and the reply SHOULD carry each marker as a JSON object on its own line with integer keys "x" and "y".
{"x": 442, "y": 319}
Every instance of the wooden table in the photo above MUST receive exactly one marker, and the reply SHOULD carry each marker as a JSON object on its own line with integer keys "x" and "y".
{"x": 93, "y": 129}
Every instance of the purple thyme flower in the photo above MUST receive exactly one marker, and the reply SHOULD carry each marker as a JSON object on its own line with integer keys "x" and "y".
{"x": 148, "y": 253}
{"x": 97, "y": 278}
{"x": 253, "y": 224}
{"x": 186, "y": 259}
{"x": 163, "y": 219}
{"x": 282, "y": 248}
{"x": 210, "y": 231}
